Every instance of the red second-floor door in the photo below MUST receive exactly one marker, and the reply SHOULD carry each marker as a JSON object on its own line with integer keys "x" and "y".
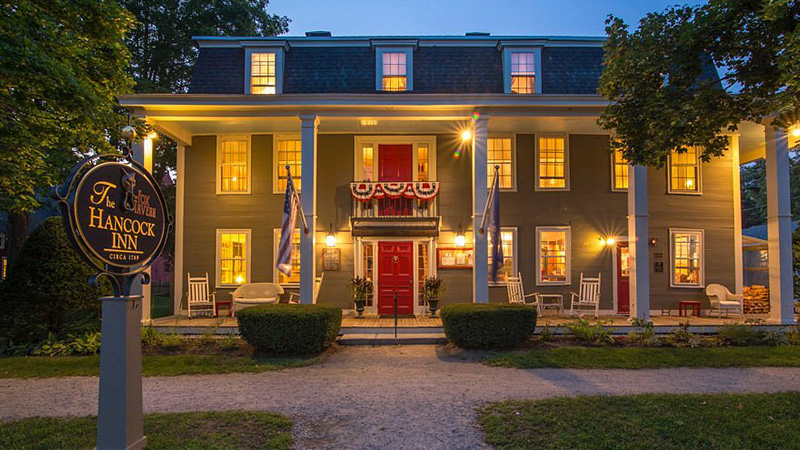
{"x": 395, "y": 164}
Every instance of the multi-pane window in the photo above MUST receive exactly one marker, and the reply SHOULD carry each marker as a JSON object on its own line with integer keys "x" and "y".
{"x": 394, "y": 71}
{"x": 232, "y": 254}
{"x": 523, "y": 75}
{"x": 551, "y": 164}
{"x": 3, "y": 267}
{"x": 422, "y": 270}
{"x": 422, "y": 162}
{"x": 262, "y": 73}
{"x": 684, "y": 171}
{"x": 368, "y": 162}
{"x": 499, "y": 152}
{"x": 295, "y": 277}
{"x": 233, "y": 161}
{"x": 288, "y": 152}
{"x": 508, "y": 237}
{"x": 368, "y": 261}
{"x": 620, "y": 172}
{"x": 553, "y": 245}
{"x": 687, "y": 257}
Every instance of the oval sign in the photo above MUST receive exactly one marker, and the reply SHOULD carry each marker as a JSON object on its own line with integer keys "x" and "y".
{"x": 120, "y": 215}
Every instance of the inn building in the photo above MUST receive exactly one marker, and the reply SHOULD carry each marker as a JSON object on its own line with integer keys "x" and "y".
{"x": 392, "y": 142}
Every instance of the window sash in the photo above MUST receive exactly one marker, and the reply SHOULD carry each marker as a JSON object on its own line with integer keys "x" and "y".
{"x": 262, "y": 73}
{"x": 523, "y": 74}
{"x": 500, "y": 152}
{"x": 294, "y": 279}
{"x": 687, "y": 258}
{"x": 394, "y": 71}
{"x": 234, "y": 158}
{"x": 620, "y": 171}
{"x": 233, "y": 250}
{"x": 553, "y": 255}
{"x": 552, "y": 162}
{"x": 684, "y": 171}
{"x": 288, "y": 152}
{"x": 509, "y": 237}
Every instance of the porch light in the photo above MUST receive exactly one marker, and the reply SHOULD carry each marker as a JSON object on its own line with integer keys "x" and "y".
{"x": 461, "y": 239}
{"x": 607, "y": 241}
{"x": 466, "y": 135}
{"x": 796, "y": 131}
{"x": 239, "y": 279}
{"x": 330, "y": 238}
{"x": 152, "y": 135}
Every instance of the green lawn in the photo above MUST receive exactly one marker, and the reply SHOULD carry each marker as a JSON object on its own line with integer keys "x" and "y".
{"x": 197, "y": 430}
{"x": 648, "y": 358}
{"x": 152, "y": 365}
{"x": 718, "y": 421}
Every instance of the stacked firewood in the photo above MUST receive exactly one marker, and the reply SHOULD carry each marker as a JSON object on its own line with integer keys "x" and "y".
{"x": 756, "y": 299}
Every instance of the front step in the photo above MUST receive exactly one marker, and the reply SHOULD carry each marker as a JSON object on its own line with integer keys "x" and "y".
{"x": 430, "y": 338}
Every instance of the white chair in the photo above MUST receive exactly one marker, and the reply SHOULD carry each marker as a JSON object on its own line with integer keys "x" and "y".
{"x": 254, "y": 294}
{"x": 724, "y": 300}
{"x": 294, "y": 297}
{"x": 589, "y": 295}
{"x": 516, "y": 292}
{"x": 199, "y": 295}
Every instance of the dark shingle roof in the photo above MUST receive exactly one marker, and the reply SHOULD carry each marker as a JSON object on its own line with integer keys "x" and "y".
{"x": 343, "y": 70}
{"x": 218, "y": 71}
{"x": 571, "y": 70}
{"x": 452, "y": 70}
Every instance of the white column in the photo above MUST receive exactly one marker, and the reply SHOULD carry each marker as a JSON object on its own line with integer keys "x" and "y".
{"x": 308, "y": 199}
{"x": 738, "y": 257}
{"x": 480, "y": 271}
{"x": 638, "y": 238}
{"x": 180, "y": 190}
{"x": 143, "y": 154}
{"x": 779, "y": 225}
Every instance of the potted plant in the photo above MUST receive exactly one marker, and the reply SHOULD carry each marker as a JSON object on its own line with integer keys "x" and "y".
{"x": 432, "y": 290}
{"x": 360, "y": 288}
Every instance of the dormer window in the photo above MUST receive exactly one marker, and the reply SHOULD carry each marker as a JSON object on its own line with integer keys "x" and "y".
{"x": 394, "y": 68}
{"x": 522, "y": 70}
{"x": 264, "y": 70}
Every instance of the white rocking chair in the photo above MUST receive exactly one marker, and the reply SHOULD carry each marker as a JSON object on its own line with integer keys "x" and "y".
{"x": 516, "y": 292}
{"x": 199, "y": 295}
{"x": 589, "y": 295}
{"x": 294, "y": 298}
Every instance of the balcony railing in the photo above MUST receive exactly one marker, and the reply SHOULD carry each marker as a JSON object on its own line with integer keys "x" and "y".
{"x": 395, "y": 200}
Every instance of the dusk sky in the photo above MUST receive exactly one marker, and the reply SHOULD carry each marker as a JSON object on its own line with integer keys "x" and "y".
{"x": 438, "y": 17}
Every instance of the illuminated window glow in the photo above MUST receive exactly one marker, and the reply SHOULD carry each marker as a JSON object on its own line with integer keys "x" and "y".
{"x": 553, "y": 255}
{"x": 279, "y": 276}
{"x": 233, "y": 168}
{"x": 394, "y": 71}
{"x": 509, "y": 237}
{"x": 262, "y": 73}
{"x": 684, "y": 171}
{"x": 368, "y": 162}
{"x": 552, "y": 162}
{"x": 523, "y": 75}
{"x": 232, "y": 251}
{"x": 500, "y": 153}
{"x": 422, "y": 270}
{"x": 620, "y": 181}
{"x": 687, "y": 257}
{"x": 288, "y": 152}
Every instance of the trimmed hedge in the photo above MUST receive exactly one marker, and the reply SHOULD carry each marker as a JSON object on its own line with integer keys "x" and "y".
{"x": 488, "y": 325}
{"x": 286, "y": 329}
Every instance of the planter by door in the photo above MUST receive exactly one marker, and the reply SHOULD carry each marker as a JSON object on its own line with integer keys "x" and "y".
{"x": 395, "y": 274}
{"x": 433, "y": 305}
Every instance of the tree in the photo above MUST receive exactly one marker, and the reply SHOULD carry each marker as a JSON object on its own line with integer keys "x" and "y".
{"x": 663, "y": 86}
{"x": 64, "y": 63}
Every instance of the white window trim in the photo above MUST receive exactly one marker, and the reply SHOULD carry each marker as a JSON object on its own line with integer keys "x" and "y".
{"x": 224, "y": 137}
{"x": 276, "y": 237}
{"x": 275, "y": 168}
{"x": 248, "y": 254}
{"x": 670, "y": 189}
{"x": 279, "y": 58}
{"x": 566, "y": 163}
{"x": 376, "y": 141}
{"x": 702, "y": 281}
{"x": 614, "y": 188}
{"x": 409, "y": 51}
{"x": 513, "y": 138}
{"x": 568, "y": 268}
{"x": 537, "y": 67}
{"x": 514, "y": 260}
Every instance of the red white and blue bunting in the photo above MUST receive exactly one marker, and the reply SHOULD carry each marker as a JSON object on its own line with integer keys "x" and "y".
{"x": 422, "y": 190}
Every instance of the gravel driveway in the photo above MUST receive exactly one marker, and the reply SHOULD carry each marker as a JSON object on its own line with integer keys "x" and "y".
{"x": 382, "y": 397}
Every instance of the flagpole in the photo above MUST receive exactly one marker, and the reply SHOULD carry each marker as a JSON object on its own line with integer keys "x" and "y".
{"x": 297, "y": 198}
{"x": 489, "y": 201}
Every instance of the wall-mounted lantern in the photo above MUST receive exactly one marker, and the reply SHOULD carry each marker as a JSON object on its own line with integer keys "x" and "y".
{"x": 606, "y": 241}
{"x": 461, "y": 239}
{"x": 330, "y": 238}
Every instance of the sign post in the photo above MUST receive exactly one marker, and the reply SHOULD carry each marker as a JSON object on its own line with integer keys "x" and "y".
{"x": 117, "y": 219}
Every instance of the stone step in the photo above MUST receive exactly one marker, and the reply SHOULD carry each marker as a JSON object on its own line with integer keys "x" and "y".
{"x": 389, "y": 339}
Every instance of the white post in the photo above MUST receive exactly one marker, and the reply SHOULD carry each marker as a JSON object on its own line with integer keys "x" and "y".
{"x": 738, "y": 257}
{"x": 779, "y": 225}
{"x": 180, "y": 191}
{"x": 480, "y": 271}
{"x": 308, "y": 198}
{"x": 143, "y": 154}
{"x": 638, "y": 238}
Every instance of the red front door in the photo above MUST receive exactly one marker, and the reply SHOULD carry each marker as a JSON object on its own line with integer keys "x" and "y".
{"x": 623, "y": 279}
{"x": 395, "y": 164}
{"x": 395, "y": 274}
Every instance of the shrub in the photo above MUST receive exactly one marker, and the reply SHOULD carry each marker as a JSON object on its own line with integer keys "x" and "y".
{"x": 739, "y": 335}
{"x": 596, "y": 334}
{"x": 682, "y": 337}
{"x": 47, "y": 289}
{"x": 284, "y": 329}
{"x": 85, "y": 344}
{"x": 470, "y": 325}
{"x": 645, "y": 333}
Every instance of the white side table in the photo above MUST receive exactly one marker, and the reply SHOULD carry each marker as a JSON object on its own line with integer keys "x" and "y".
{"x": 552, "y": 301}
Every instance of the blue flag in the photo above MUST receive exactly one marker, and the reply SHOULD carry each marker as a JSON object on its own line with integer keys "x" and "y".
{"x": 494, "y": 228}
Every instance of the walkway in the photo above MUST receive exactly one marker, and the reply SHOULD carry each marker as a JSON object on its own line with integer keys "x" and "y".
{"x": 383, "y": 397}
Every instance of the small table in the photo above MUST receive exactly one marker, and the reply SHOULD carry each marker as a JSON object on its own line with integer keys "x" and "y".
{"x": 685, "y": 305}
{"x": 557, "y": 301}
{"x": 228, "y": 303}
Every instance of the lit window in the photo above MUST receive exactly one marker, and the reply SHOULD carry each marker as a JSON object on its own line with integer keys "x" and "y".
{"x": 523, "y": 76}
{"x": 262, "y": 73}
{"x": 233, "y": 160}
{"x": 509, "y": 237}
{"x": 687, "y": 257}
{"x": 233, "y": 251}
{"x": 368, "y": 162}
{"x": 368, "y": 261}
{"x": 422, "y": 162}
{"x": 295, "y": 277}
{"x": 553, "y": 246}
{"x": 422, "y": 270}
{"x": 500, "y": 153}
{"x": 620, "y": 172}
{"x": 394, "y": 71}
{"x": 288, "y": 152}
{"x": 3, "y": 268}
{"x": 551, "y": 165}
{"x": 684, "y": 171}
